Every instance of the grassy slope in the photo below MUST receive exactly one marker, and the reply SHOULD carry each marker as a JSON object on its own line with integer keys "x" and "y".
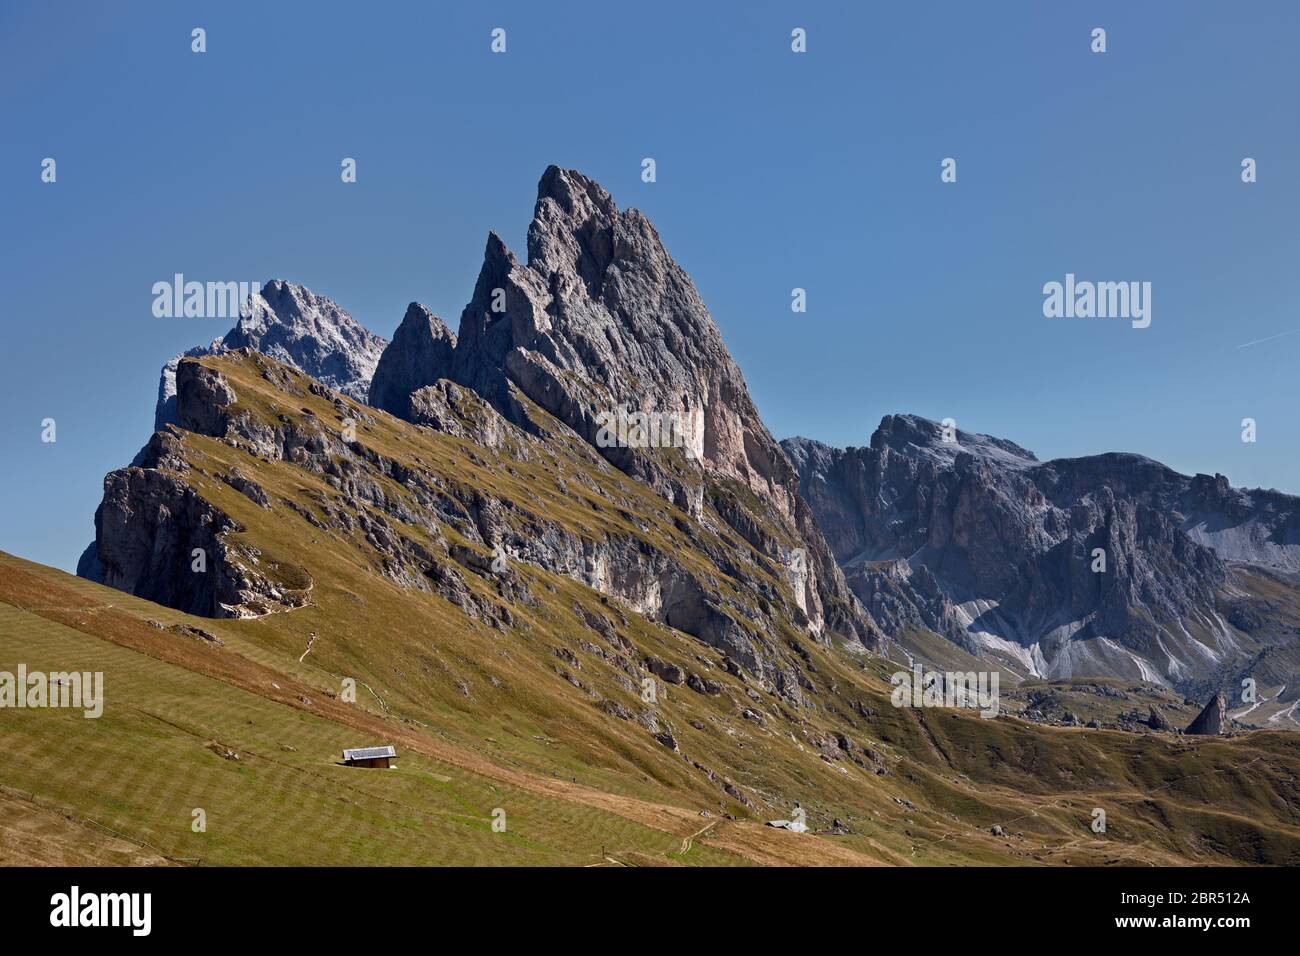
{"x": 169, "y": 697}
{"x": 141, "y": 769}
{"x": 482, "y": 719}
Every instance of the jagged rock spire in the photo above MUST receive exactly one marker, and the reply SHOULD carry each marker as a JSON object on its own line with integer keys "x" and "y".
{"x": 602, "y": 317}
{"x": 601, "y": 322}
{"x": 419, "y": 355}
{"x": 1213, "y": 720}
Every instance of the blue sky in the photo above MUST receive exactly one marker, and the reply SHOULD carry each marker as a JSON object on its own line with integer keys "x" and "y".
{"x": 775, "y": 170}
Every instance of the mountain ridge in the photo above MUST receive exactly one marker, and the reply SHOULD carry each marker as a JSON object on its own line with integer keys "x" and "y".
{"x": 657, "y": 630}
{"x": 300, "y": 328}
{"x": 977, "y": 539}
{"x": 599, "y": 319}
{"x": 599, "y": 292}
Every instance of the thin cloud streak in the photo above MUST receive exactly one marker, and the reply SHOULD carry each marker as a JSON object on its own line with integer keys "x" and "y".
{"x": 1268, "y": 339}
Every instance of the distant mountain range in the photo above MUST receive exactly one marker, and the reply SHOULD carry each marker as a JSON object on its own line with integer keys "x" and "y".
{"x": 1111, "y": 565}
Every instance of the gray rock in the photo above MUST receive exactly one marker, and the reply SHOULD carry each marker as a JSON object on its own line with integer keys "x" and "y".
{"x": 735, "y": 793}
{"x": 669, "y": 673}
{"x": 246, "y": 486}
{"x": 295, "y": 326}
{"x": 979, "y": 541}
{"x": 419, "y": 355}
{"x": 203, "y": 397}
{"x": 614, "y": 709}
{"x": 703, "y": 685}
{"x": 1156, "y": 720}
{"x": 599, "y": 319}
{"x": 1212, "y": 720}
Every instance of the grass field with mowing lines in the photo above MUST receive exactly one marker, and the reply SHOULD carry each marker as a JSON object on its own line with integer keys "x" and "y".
{"x": 145, "y": 765}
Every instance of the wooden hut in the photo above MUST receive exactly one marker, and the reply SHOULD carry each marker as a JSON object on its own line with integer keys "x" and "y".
{"x": 369, "y": 756}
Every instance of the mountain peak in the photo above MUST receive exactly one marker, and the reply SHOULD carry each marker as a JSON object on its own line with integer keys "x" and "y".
{"x": 294, "y": 325}
{"x": 1101, "y": 564}
{"x": 578, "y": 231}
{"x": 601, "y": 322}
{"x": 944, "y": 442}
{"x": 578, "y": 196}
{"x": 421, "y": 355}
{"x": 601, "y": 302}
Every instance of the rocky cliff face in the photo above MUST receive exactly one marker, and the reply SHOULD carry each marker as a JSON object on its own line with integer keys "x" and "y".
{"x": 159, "y": 539}
{"x": 601, "y": 319}
{"x": 603, "y": 331}
{"x": 292, "y": 325}
{"x": 418, "y": 522}
{"x": 1103, "y": 565}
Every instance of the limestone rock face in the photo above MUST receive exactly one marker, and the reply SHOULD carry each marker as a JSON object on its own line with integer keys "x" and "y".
{"x": 156, "y": 538}
{"x": 601, "y": 330}
{"x": 159, "y": 540}
{"x": 601, "y": 318}
{"x": 1088, "y": 566}
{"x": 202, "y": 397}
{"x": 299, "y": 328}
{"x": 419, "y": 355}
{"x": 148, "y": 528}
{"x": 691, "y": 576}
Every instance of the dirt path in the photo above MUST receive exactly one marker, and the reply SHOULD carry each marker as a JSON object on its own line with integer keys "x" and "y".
{"x": 687, "y": 841}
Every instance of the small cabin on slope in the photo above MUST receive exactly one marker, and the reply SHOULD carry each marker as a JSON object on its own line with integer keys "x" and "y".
{"x": 369, "y": 756}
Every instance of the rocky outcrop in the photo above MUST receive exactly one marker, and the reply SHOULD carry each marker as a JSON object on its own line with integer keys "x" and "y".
{"x": 419, "y": 355}
{"x": 1211, "y": 721}
{"x": 1069, "y": 567}
{"x": 203, "y": 399}
{"x": 455, "y": 410}
{"x": 159, "y": 540}
{"x": 1156, "y": 720}
{"x": 703, "y": 585}
{"x": 604, "y": 333}
{"x": 156, "y": 538}
{"x": 299, "y": 328}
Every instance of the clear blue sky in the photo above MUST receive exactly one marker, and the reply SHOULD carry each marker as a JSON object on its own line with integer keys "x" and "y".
{"x": 775, "y": 170}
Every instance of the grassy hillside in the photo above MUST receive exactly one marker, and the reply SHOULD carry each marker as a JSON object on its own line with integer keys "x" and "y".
{"x": 535, "y": 708}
